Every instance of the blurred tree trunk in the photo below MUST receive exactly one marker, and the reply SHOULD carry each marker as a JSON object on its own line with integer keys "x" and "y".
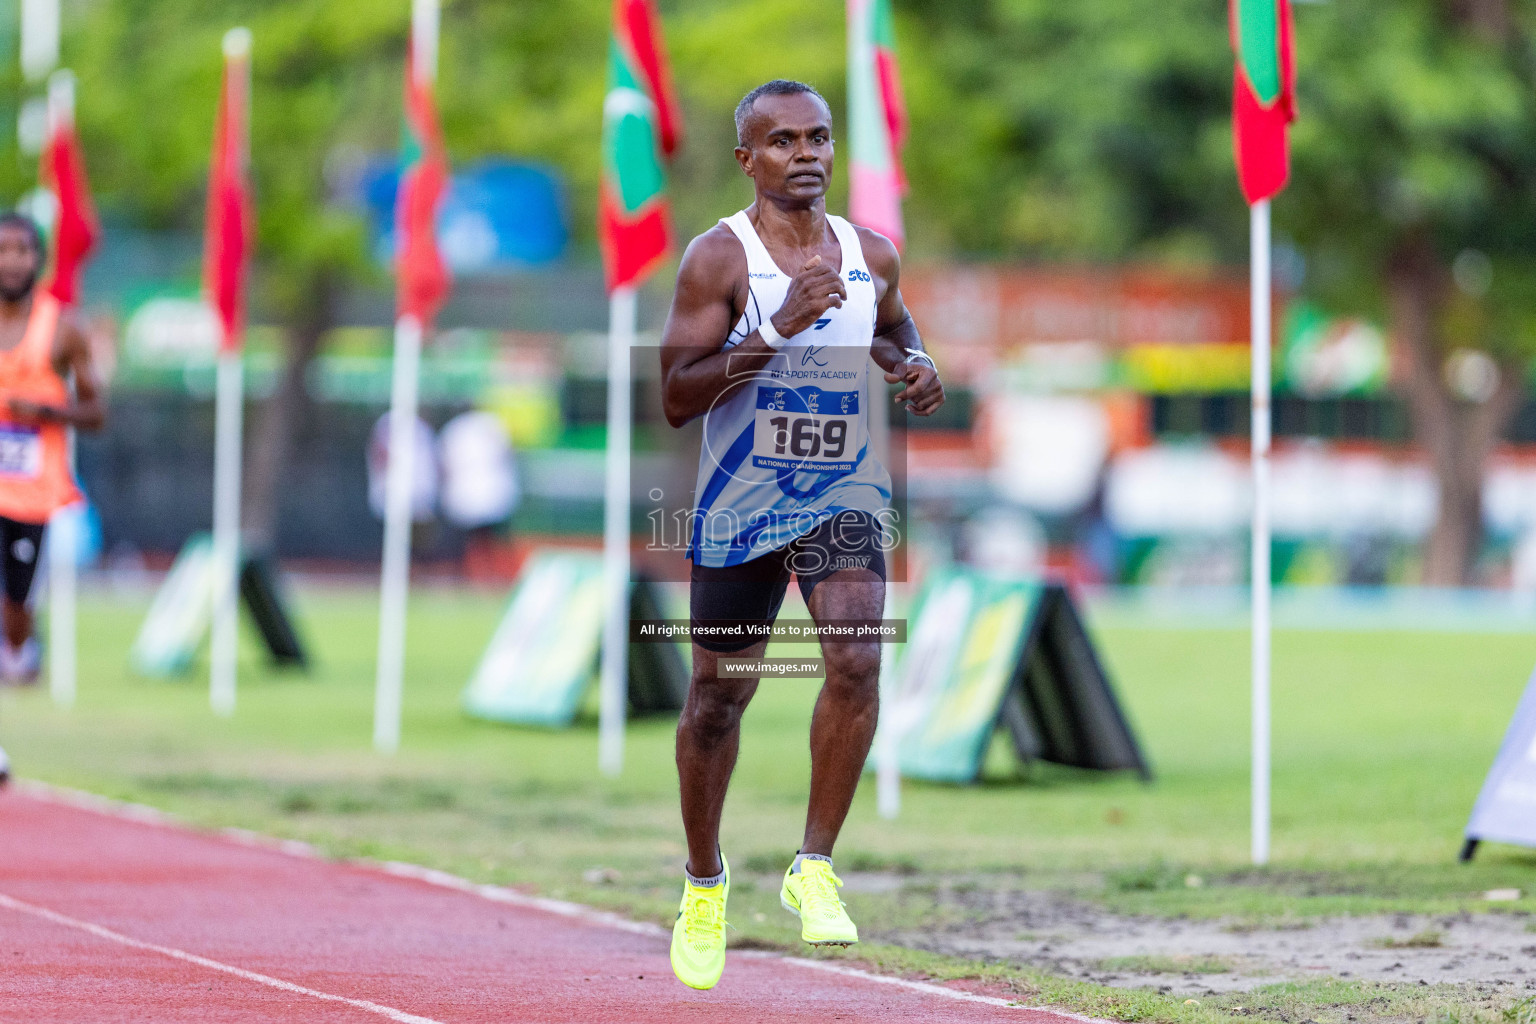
{"x": 1488, "y": 17}
{"x": 272, "y": 441}
{"x": 1457, "y": 434}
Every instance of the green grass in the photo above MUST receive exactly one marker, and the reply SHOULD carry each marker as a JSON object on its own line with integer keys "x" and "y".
{"x": 1381, "y": 741}
{"x": 1427, "y": 939}
{"x": 1170, "y": 964}
{"x": 1522, "y": 1011}
{"x": 1324, "y": 1001}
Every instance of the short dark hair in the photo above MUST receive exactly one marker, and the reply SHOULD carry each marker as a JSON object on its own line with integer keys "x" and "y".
{"x": 17, "y": 219}
{"x": 777, "y": 87}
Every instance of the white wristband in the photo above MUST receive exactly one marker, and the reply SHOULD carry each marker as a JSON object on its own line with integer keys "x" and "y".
{"x": 770, "y": 335}
{"x": 913, "y": 353}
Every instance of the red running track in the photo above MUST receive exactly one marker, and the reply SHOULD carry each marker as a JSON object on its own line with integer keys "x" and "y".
{"x": 106, "y": 917}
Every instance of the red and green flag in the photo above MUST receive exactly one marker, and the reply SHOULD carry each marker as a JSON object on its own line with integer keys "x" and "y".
{"x": 1264, "y": 94}
{"x": 641, "y": 128}
{"x": 421, "y": 275}
{"x": 230, "y": 221}
{"x": 877, "y": 118}
{"x": 75, "y": 226}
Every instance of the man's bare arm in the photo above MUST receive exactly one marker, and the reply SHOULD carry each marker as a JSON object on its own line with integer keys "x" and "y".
{"x": 72, "y": 357}
{"x": 89, "y": 410}
{"x": 897, "y": 347}
{"x": 694, "y": 368}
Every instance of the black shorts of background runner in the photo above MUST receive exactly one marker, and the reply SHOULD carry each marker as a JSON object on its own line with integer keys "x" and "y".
{"x": 21, "y": 543}
{"x": 750, "y": 594}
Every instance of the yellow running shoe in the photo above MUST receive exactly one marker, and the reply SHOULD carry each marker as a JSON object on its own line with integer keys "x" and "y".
{"x": 812, "y": 895}
{"x": 698, "y": 936}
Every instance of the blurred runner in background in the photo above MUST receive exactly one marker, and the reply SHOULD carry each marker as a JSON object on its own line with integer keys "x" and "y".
{"x": 43, "y": 351}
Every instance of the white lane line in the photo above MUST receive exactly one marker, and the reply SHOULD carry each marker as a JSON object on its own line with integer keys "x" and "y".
{"x": 213, "y": 965}
{"x": 926, "y": 987}
{"x": 511, "y": 897}
{"x": 500, "y": 894}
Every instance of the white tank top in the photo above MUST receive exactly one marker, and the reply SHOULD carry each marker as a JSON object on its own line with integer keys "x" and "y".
{"x": 791, "y": 448}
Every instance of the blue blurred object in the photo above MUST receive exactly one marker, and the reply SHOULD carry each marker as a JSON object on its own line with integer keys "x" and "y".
{"x": 497, "y": 215}
{"x": 87, "y": 532}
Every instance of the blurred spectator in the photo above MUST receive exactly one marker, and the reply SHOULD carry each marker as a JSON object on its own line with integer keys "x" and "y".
{"x": 1050, "y": 450}
{"x": 480, "y": 490}
{"x": 1004, "y": 539}
{"x": 424, "y": 474}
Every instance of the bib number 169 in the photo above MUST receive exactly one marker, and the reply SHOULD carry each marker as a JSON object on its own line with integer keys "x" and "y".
{"x": 809, "y": 437}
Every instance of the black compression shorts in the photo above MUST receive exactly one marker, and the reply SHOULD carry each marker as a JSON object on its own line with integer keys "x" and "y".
{"x": 750, "y": 593}
{"x": 21, "y": 543}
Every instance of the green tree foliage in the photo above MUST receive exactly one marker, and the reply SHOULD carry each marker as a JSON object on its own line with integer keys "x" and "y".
{"x": 1418, "y": 128}
{"x": 1041, "y": 130}
{"x": 515, "y": 78}
{"x": 1073, "y": 131}
{"x": 1415, "y": 195}
{"x": 321, "y": 76}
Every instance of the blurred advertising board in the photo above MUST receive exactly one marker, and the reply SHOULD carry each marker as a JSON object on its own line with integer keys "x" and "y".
{"x": 182, "y": 612}
{"x": 543, "y": 656}
{"x": 1506, "y": 809}
{"x": 1324, "y": 356}
{"x": 1046, "y": 329}
{"x": 169, "y": 344}
{"x": 180, "y": 615}
{"x": 988, "y": 651}
{"x": 1041, "y": 330}
{"x": 543, "y": 659}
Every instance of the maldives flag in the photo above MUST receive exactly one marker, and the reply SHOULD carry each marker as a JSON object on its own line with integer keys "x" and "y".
{"x": 421, "y": 275}
{"x": 641, "y": 127}
{"x": 1264, "y": 94}
{"x": 877, "y": 118}
{"x": 230, "y": 221}
{"x": 75, "y": 228}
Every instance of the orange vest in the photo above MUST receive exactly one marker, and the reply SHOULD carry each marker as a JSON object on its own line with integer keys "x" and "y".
{"x": 36, "y": 479}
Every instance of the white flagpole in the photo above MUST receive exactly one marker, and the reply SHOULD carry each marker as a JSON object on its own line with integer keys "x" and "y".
{"x": 394, "y": 585}
{"x": 614, "y": 693}
{"x": 39, "y": 38}
{"x": 424, "y": 30}
{"x": 886, "y": 745}
{"x": 62, "y": 549}
{"x": 62, "y": 571}
{"x": 887, "y": 763}
{"x": 395, "y": 582}
{"x": 1260, "y": 309}
{"x": 229, "y": 415}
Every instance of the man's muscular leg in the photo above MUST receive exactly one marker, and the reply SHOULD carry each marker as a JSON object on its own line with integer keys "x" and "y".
{"x": 20, "y": 545}
{"x": 708, "y": 738}
{"x": 18, "y": 623}
{"x": 843, "y": 724}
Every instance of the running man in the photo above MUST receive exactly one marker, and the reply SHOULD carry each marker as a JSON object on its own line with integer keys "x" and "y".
{"x": 778, "y": 311}
{"x": 41, "y": 349}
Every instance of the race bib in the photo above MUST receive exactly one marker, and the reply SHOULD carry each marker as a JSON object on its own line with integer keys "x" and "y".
{"x": 806, "y": 429}
{"x": 21, "y": 452}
